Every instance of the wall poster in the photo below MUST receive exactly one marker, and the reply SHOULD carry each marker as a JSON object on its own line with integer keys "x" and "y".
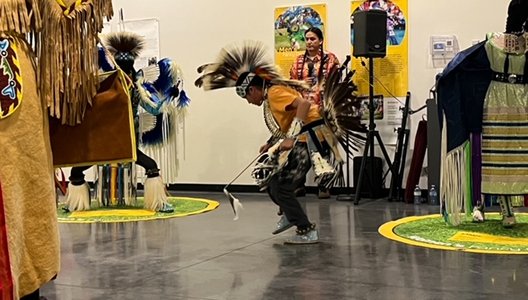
{"x": 390, "y": 72}
{"x": 290, "y": 24}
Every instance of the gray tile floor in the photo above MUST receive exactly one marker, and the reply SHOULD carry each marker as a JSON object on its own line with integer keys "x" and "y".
{"x": 209, "y": 256}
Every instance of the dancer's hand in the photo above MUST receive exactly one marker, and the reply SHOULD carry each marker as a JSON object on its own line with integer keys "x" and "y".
{"x": 310, "y": 80}
{"x": 264, "y": 148}
{"x": 287, "y": 144}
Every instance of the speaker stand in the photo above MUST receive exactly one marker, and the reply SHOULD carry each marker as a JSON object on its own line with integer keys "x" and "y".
{"x": 369, "y": 145}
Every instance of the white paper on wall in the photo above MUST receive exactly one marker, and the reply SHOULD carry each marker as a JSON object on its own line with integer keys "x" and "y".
{"x": 443, "y": 49}
{"x": 149, "y": 30}
{"x": 107, "y": 28}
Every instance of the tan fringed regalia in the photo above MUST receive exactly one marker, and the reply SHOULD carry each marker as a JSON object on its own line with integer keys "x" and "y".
{"x": 68, "y": 55}
{"x": 61, "y": 38}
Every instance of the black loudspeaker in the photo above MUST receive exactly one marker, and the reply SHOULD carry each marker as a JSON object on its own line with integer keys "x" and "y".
{"x": 370, "y": 33}
{"x": 369, "y": 189}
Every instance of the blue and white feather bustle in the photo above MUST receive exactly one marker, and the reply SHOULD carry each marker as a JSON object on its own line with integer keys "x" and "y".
{"x": 105, "y": 63}
{"x": 162, "y": 115}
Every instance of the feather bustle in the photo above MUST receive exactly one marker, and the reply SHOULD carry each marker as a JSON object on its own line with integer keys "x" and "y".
{"x": 341, "y": 110}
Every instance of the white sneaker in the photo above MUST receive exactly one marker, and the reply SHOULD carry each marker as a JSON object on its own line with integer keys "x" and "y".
{"x": 167, "y": 208}
{"x": 282, "y": 225}
{"x": 311, "y": 237}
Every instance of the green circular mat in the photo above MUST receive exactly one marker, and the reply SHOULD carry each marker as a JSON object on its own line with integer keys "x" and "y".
{"x": 183, "y": 206}
{"x": 431, "y": 231}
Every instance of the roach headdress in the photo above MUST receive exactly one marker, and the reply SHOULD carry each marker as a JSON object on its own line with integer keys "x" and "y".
{"x": 125, "y": 47}
{"x": 237, "y": 65}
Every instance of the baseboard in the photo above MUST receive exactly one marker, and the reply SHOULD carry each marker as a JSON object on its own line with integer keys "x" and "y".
{"x": 247, "y": 188}
{"x": 200, "y": 187}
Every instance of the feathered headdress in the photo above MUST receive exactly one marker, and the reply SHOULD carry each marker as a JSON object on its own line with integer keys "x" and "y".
{"x": 125, "y": 47}
{"x": 517, "y": 16}
{"x": 341, "y": 110}
{"x": 237, "y": 65}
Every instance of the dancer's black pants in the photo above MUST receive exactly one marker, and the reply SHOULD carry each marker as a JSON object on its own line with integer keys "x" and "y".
{"x": 150, "y": 166}
{"x": 281, "y": 187}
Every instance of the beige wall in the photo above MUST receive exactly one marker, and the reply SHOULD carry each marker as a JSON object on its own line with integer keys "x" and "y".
{"x": 223, "y": 132}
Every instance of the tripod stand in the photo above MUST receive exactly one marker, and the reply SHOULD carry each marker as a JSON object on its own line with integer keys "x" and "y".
{"x": 395, "y": 192}
{"x": 369, "y": 145}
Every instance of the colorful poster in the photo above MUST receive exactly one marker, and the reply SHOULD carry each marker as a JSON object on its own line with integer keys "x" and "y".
{"x": 391, "y": 71}
{"x": 391, "y": 81}
{"x": 290, "y": 24}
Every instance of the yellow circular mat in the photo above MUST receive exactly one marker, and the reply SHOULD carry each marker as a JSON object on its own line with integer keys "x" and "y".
{"x": 489, "y": 237}
{"x": 183, "y": 206}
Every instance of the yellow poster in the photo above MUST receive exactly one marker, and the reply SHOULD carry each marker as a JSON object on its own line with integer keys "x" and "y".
{"x": 391, "y": 72}
{"x": 290, "y": 24}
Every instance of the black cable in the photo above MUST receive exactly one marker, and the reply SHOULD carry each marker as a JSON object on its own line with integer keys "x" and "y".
{"x": 431, "y": 91}
{"x": 381, "y": 83}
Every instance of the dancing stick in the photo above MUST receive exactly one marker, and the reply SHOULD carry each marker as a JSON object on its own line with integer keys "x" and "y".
{"x": 235, "y": 203}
